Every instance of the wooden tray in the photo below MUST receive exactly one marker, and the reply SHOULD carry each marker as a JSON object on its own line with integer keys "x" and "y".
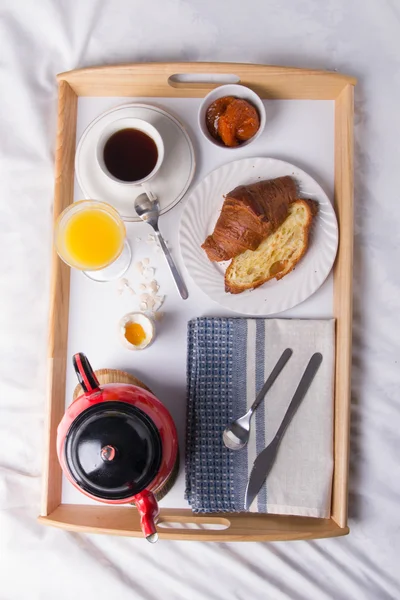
{"x": 158, "y": 79}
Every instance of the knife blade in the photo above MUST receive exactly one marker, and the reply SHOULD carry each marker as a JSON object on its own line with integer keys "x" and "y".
{"x": 265, "y": 460}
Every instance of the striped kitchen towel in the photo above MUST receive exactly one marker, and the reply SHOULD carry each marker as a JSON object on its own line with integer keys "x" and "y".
{"x": 228, "y": 362}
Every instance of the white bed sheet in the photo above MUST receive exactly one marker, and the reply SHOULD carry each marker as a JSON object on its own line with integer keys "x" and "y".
{"x": 39, "y": 39}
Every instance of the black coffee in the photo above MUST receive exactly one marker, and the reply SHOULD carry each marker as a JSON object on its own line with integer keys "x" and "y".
{"x": 130, "y": 155}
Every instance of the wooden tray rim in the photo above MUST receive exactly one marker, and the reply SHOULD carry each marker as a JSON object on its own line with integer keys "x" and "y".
{"x": 154, "y": 79}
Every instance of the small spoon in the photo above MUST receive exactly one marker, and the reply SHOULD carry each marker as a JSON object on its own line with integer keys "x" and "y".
{"x": 237, "y": 434}
{"x": 148, "y": 211}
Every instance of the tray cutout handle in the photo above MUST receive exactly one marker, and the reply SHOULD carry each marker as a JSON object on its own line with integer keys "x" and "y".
{"x": 196, "y": 523}
{"x": 201, "y": 80}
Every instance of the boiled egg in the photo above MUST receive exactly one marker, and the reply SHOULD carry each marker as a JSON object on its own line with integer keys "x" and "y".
{"x": 136, "y": 330}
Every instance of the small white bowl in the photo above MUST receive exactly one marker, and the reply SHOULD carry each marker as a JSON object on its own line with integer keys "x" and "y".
{"x": 145, "y": 322}
{"x": 239, "y": 91}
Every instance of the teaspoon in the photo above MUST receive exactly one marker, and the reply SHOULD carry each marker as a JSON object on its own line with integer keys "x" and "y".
{"x": 148, "y": 211}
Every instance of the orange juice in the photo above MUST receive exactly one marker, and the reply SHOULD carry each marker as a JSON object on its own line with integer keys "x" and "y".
{"x": 91, "y": 236}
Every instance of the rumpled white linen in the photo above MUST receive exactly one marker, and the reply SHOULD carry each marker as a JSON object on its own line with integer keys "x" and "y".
{"x": 39, "y": 39}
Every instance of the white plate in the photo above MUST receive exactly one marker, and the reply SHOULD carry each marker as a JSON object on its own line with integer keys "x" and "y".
{"x": 169, "y": 184}
{"x": 200, "y": 215}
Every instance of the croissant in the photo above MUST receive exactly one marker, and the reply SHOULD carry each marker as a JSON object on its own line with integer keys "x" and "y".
{"x": 249, "y": 214}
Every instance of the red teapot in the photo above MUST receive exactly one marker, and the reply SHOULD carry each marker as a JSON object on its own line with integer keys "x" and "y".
{"x": 117, "y": 444}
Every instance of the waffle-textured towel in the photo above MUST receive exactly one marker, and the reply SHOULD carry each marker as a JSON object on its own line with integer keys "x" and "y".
{"x": 228, "y": 362}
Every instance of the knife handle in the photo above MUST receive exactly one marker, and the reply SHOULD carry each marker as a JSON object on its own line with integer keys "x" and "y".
{"x": 308, "y": 376}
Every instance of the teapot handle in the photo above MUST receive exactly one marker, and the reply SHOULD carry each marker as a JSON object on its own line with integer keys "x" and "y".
{"x": 85, "y": 373}
{"x": 147, "y": 506}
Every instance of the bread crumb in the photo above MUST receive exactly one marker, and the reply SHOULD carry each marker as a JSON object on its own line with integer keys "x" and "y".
{"x": 123, "y": 284}
{"x": 153, "y": 286}
{"x": 147, "y": 289}
{"x": 139, "y": 267}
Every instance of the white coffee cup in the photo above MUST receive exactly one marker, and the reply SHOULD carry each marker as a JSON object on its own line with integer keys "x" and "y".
{"x": 129, "y": 123}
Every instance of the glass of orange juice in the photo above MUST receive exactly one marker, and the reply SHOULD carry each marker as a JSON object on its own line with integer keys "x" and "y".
{"x": 91, "y": 237}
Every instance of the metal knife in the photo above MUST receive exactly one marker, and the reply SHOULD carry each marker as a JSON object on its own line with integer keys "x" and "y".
{"x": 266, "y": 458}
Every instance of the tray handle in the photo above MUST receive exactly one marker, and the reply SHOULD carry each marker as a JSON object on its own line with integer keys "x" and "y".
{"x": 190, "y": 524}
{"x": 201, "y": 80}
{"x": 182, "y": 524}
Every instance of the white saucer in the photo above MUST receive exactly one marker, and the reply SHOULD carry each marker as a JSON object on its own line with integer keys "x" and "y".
{"x": 169, "y": 184}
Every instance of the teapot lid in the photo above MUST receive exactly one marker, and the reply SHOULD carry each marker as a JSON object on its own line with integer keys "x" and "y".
{"x": 113, "y": 450}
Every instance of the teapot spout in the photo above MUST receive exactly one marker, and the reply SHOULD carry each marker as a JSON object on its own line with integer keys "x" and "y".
{"x": 147, "y": 506}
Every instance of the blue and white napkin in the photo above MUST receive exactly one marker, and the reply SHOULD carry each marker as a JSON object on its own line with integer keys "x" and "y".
{"x": 228, "y": 362}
